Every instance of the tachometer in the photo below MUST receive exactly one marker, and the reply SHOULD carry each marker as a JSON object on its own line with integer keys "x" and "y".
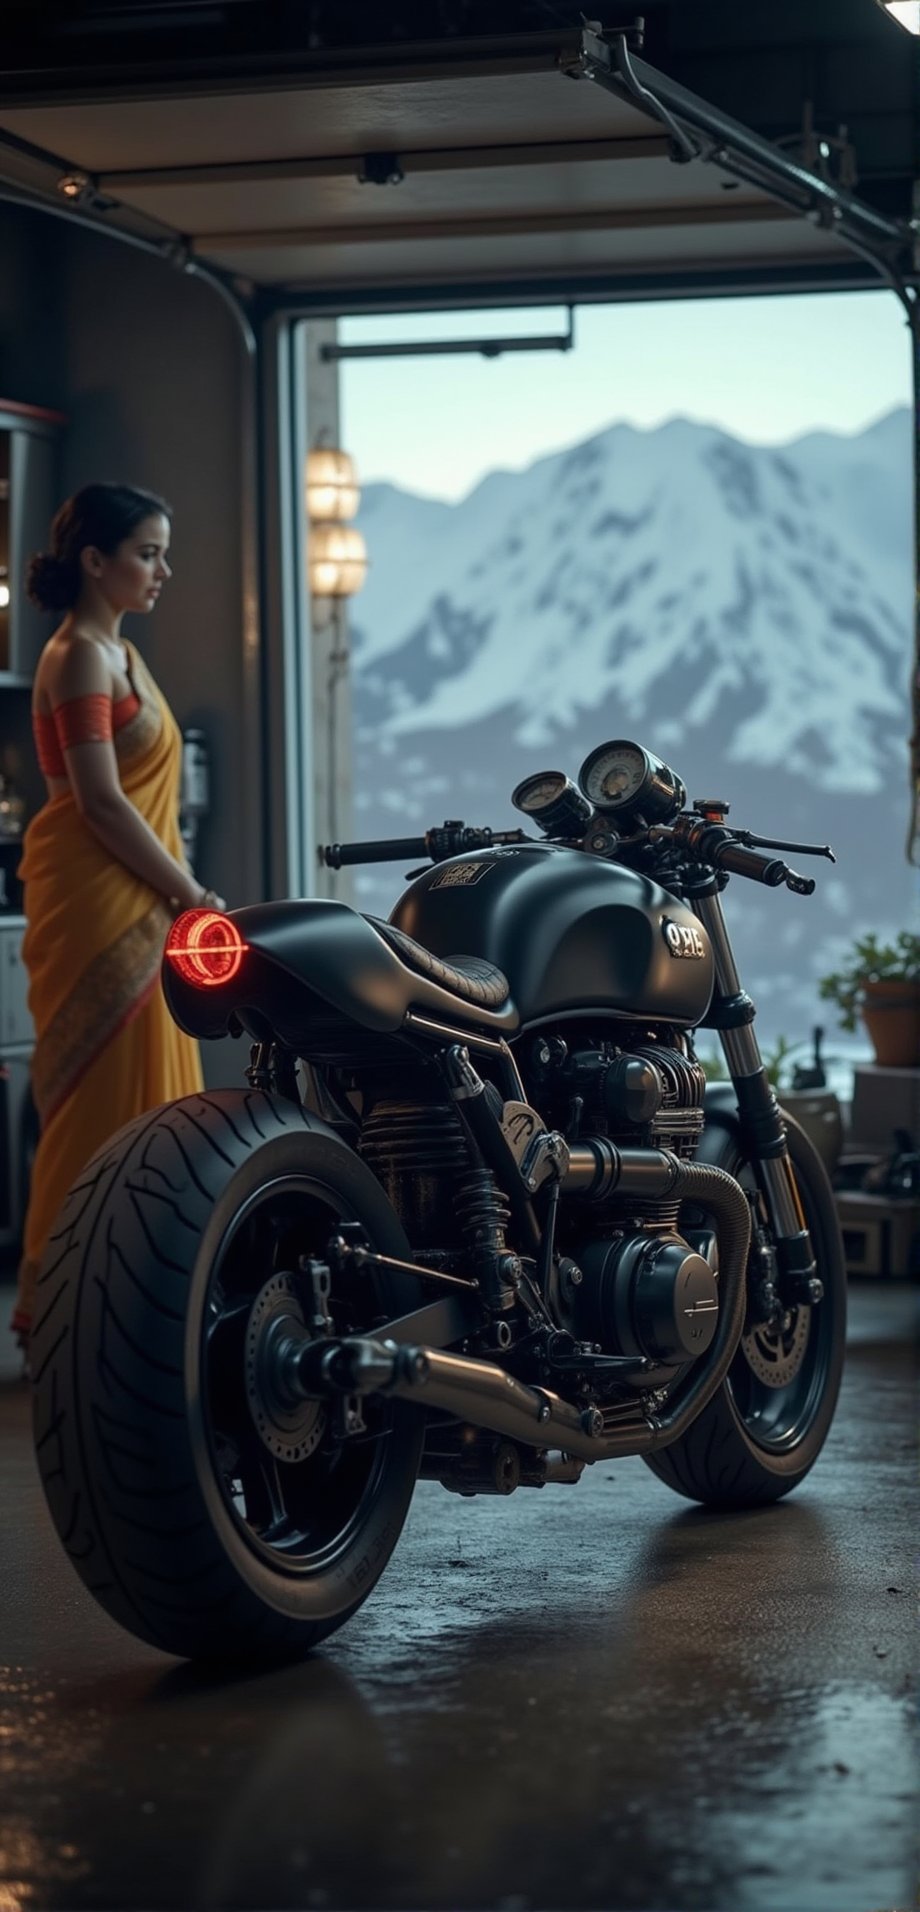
{"x": 552, "y": 800}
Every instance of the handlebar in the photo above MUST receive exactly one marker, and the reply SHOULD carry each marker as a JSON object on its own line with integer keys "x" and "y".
{"x": 706, "y": 842}
{"x": 385, "y": 850}
{"x": 714, "y": 844}
{"x": 451, "y": 838}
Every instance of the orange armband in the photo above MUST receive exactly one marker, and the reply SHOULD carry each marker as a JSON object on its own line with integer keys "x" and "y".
{"x": 84, "y": 720}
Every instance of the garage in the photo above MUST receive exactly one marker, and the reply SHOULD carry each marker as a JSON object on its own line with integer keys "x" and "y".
{"x": 199, "y": 204}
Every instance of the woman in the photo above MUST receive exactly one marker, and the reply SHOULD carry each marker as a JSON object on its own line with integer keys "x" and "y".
{"x": 103, "y": 867}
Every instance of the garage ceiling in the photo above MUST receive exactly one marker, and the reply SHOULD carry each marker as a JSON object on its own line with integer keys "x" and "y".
{"x": 510, "y": 166}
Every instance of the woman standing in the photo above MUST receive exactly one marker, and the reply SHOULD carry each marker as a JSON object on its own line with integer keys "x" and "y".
{"x": 103, "y": 867}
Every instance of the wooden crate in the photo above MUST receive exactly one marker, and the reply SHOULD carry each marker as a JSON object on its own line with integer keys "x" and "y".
{"x": 880, "y": 1237}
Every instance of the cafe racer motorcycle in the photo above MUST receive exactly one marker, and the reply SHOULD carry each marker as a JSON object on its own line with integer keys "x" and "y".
{"x": 475, "y": 1216}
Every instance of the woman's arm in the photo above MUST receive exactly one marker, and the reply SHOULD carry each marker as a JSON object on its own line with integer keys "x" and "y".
{"x": 93, "y": 772}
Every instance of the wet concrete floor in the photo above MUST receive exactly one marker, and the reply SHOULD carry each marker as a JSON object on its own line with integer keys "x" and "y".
{"x": 581, "y": 1697}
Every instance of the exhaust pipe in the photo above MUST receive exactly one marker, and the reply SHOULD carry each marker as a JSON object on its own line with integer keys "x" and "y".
{"x": 485, "y": 1395}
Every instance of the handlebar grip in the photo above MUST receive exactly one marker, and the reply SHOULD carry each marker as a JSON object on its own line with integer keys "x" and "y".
{"x": 385, "y": 850}
{"x": 801, "y": 885}
{"x": 738, "y": 861}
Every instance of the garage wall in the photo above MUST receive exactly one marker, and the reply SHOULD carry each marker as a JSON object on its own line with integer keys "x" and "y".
{"x": 150, "y": 368}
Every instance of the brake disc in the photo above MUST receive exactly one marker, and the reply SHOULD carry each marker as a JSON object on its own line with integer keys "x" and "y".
{"x": 290, "y": 1431}
{"x": 774, "y": 1352}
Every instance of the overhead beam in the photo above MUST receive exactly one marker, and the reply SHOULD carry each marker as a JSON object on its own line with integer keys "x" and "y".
{"x": 396, "y": 231}
{"x": 41, "y": 81}
{"x": 349, "y": 165}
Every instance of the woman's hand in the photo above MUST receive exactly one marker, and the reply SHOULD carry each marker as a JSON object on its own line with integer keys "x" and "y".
{"x": 209, "y": 900}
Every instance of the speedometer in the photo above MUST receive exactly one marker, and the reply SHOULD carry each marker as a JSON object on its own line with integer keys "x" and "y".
{"x": 613, "y": 774}
{"x": 623, "y": 776}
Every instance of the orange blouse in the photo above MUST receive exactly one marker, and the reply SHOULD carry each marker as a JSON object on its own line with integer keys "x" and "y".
{"x": 82, "y": 720}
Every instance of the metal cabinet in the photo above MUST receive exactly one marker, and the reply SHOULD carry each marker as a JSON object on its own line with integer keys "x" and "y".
{"x": 28, "y": 494}
{"x": 18, "y": 1120}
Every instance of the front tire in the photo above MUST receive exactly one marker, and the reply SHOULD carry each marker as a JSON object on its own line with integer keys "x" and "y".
{"x": 207, "y": 1518}
{"x": 765, "y": 1427}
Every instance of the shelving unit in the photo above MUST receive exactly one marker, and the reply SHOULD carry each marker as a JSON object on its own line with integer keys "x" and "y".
{"x": 29, "y": 437}
{"x": 881, "y": 1231}
{"x": 28, "y": 494}
{"x": 18, "y": 1121}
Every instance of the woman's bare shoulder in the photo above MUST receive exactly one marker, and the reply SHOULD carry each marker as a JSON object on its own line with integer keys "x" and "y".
{"x": 72, "y": 666}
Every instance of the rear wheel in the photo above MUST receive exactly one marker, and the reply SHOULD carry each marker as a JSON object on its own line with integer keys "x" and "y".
{"x": 205, "y": 1513}
{"x": 767, "y": 1424}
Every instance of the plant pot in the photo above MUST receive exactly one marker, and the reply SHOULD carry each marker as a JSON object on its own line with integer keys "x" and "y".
{"x": 891, "y": 1013}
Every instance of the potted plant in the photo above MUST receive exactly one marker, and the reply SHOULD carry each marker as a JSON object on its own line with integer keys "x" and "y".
{"x": 881, "y": 981}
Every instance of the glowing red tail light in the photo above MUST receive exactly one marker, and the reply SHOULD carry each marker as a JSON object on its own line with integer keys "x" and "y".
{"x": 205, "y": 948}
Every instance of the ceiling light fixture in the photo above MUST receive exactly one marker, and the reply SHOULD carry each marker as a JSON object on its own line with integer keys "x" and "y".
{"x": 75, "y": 186}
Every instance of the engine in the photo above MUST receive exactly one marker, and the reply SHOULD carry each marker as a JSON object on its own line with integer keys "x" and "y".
{"x": 625, "y": 1277}
{"x": 645, "y": 1289}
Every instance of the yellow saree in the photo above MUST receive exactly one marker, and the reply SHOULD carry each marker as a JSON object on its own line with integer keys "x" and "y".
{"x": 106, "y": 1046}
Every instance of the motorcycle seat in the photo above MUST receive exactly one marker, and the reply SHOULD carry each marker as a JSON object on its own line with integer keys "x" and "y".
{"x": 469, "y": 977}
{"x": 308, "y": 958}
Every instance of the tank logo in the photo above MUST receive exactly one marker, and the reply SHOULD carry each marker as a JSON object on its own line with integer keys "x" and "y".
{"x": 683, "y": 939}
{"x": 459, "y": 876}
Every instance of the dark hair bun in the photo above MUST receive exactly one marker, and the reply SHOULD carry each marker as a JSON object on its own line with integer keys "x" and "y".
{"x": 52, "y": 583}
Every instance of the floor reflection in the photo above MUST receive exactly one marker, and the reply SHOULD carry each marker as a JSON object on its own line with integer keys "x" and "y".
{"x": 596, "y": 1697}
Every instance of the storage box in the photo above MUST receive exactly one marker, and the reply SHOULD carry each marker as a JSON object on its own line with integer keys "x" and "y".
{"x": 883, "y": 1100}
{"x": 880, "y": 1237}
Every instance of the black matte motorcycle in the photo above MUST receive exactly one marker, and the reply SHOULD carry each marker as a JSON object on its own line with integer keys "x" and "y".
{"x": 476, "y": 1216}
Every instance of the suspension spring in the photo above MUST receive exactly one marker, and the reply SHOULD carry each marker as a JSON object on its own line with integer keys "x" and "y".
{"x": 483, "y": 1212}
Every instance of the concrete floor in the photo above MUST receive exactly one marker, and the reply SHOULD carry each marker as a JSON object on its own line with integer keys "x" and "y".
{"x": 582, "y": 1697}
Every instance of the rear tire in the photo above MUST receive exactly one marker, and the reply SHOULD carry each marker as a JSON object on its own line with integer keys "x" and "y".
{"x": 759, "y": 1436}
{"x": 205, "y": 1521}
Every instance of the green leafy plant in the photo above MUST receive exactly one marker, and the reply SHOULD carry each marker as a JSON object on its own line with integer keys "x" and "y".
{"x": 869, "y": 961}
{"x": 775, "y": 1062}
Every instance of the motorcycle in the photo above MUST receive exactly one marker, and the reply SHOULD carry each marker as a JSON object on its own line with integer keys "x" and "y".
{"x": 476, "y": 1216}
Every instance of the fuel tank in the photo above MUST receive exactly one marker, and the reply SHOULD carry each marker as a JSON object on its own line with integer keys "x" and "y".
{"x": 570, "y": 932}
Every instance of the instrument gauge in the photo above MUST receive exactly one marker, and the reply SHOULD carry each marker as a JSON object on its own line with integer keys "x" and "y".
{"x": 552, "y": 800}
{"x": 536, "y": 793}
{"x": 623, "y": 776}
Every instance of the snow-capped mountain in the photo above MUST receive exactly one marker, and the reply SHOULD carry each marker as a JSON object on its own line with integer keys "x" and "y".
{"x": 743, "y": 611}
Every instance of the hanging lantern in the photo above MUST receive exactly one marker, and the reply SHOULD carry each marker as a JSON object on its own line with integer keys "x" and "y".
{"x": 331, "y": 490}
{"x": 336, "y": 560}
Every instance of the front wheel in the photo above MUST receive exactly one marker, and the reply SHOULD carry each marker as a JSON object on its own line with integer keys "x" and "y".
{"x": 205, "y": 1514}
{"x": 767, "y": 1424}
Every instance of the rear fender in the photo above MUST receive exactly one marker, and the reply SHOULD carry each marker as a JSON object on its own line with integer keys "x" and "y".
{"x": 312, "y": 959}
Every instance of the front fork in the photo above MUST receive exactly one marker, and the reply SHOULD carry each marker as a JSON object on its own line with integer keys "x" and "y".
{"x": 732, "y": 1013}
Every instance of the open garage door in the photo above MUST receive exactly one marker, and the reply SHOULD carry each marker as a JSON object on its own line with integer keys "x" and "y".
{"x": 349, "y": 167}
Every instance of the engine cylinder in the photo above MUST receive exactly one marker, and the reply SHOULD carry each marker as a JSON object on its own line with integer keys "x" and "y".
{"x": 417, "y": 1152}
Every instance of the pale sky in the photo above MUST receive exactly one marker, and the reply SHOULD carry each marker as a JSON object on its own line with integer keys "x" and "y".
{"x": 765, "y": 369}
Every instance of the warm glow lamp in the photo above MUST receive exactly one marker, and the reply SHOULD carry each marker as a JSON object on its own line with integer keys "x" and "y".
{"x": 336, "y": 560}
{"x": 331, "y": 490}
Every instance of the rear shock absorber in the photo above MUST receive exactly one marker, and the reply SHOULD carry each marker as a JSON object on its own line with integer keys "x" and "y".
{"x": 483, "y": 1212}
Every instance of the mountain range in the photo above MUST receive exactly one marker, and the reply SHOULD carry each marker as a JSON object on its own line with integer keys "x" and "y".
{"x": 743, "y": 611}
